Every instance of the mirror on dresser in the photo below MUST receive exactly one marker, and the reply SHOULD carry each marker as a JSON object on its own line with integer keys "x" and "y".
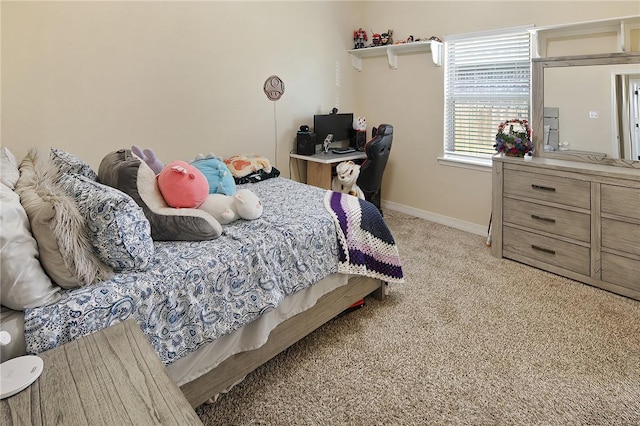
{"x": 588, "y": 108}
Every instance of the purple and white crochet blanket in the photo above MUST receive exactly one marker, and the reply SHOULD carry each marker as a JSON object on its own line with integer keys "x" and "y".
{"x": 366, "y": 244}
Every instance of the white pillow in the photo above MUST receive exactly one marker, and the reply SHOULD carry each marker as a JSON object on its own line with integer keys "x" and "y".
{"x": 9, "y": 170}
{"x": 24, "y": 283}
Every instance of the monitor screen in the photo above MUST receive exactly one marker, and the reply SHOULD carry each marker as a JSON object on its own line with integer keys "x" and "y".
{"x": 340, "y": 125}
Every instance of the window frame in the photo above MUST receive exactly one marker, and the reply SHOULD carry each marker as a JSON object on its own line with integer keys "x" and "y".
{"x": 479, "y": 160}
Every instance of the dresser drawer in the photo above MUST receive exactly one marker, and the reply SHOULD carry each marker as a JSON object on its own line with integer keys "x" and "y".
{"x": 529, "y": 245}
{"x": 621, "y": 270}
{"x": 622, "y": 236}
{"x": 548, "y": 219}
{"x": 570, "y": 192}
{"x": 620, "y": 201}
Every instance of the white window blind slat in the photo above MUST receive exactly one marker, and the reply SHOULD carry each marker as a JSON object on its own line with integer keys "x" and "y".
{"x": 487, "y": 81}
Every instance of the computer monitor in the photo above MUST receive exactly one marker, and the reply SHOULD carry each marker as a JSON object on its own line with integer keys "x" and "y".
{"x": 340, "y": 125}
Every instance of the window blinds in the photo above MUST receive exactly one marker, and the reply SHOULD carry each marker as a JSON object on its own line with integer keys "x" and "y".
{"x": 487, "y": 81}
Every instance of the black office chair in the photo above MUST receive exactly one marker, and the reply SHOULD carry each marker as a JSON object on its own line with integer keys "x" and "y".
{"x": 371, "y": 171}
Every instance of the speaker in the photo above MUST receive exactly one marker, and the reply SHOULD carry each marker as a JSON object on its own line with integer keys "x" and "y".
{"x": 306, "y": 143}
{"x": 360, "y": 140}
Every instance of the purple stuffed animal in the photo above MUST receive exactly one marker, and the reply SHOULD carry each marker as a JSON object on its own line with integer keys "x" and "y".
{"x": 149, "y": 157}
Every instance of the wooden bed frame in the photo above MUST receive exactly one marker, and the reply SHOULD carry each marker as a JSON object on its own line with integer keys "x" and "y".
{"x": 235, "y": 368}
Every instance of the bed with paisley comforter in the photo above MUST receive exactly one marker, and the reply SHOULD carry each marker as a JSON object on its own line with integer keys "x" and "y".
{"x": 215, "y": 310}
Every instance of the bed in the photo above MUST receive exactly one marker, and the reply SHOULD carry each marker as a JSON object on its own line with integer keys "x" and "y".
{"x": 216, "y": 309}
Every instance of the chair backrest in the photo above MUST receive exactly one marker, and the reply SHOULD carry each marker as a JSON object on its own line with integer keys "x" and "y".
{"x": 377, "y": 149}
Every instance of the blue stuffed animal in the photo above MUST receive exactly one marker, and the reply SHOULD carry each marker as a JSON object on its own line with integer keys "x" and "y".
{"x": 217, "y": 173}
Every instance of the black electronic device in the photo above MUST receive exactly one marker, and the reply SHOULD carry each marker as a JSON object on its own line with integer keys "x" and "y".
{"x": 361, "y": 140}
{"x": 340, "y": 125}
{"x": 343, "y": 150}
{"x": 306, "y": 143}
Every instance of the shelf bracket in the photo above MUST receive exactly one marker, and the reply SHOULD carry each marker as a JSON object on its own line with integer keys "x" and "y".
{"x": 436, "y": 53}
{"x": 356, "y": 62}
{"x": 392, "y": 57}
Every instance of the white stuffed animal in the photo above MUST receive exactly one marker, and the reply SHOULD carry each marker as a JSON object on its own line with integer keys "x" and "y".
{"x": 244, "y": 204}
{"x": 346, "y": 177}
{"x": 360, "y": 124}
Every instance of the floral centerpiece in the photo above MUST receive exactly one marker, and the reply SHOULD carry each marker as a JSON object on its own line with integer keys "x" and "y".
{"x": 516, "y": 141}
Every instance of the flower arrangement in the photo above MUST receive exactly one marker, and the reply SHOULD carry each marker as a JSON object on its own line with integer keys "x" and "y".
{"x": 516, "y": 141}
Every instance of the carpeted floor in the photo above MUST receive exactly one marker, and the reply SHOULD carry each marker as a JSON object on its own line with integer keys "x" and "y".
{"x": 467, "y": 340}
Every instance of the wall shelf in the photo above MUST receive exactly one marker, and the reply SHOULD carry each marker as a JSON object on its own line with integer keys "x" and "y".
{"x": 621, "y": 26}
{"x": 393, "y": 50}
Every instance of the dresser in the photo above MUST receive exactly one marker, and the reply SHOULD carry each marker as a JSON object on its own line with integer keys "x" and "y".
{"x": 578, "y": 220}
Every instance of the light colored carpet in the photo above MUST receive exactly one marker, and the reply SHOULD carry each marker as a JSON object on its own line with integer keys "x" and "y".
{"x": 467, "y": 340}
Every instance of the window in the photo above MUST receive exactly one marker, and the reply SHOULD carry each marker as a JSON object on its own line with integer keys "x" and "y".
{"x": 487, "y": 81}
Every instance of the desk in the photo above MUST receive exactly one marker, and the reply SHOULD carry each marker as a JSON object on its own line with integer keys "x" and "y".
{"x": 319, "y": 166}
{"x": 111, "y": 377}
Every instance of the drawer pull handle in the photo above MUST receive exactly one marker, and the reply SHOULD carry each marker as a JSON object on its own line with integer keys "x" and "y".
{"x": 542, "y": 249}
{"x": 544, "y": 219}
{"x": 543, "y": 188}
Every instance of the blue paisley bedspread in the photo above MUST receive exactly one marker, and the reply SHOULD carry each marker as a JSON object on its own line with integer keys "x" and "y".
{"x": 195, "y": 292}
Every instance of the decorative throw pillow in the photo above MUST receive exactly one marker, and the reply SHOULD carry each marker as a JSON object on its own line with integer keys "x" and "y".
{"x": 118, "y": 229}
{"x": 121, "y": 170}
{"x": 69, "y": 163}
{"x": 244, "y": 165}
{"x": 9, "y": 170}
{"x": 57, "y": 225}
{"x": 24, "y": 283}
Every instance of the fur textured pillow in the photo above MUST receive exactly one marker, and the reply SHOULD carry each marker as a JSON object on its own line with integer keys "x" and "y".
{"x": 122, "y": 170}
{"x": 65, "y": 250}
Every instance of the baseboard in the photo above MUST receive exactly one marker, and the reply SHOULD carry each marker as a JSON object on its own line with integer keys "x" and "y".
{"x": 437, "y": 218}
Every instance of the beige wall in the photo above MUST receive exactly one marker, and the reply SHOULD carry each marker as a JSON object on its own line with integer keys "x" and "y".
{"x": 186, "y": 77}
{"x": 180, "y": 77}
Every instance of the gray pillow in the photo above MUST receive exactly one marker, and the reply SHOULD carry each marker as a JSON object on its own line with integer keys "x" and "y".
{"x": 69, "y": 163}
{"x": 118, "y": 229}
{"x": 124, "y": 171}
{"x": 65, "y": 250}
